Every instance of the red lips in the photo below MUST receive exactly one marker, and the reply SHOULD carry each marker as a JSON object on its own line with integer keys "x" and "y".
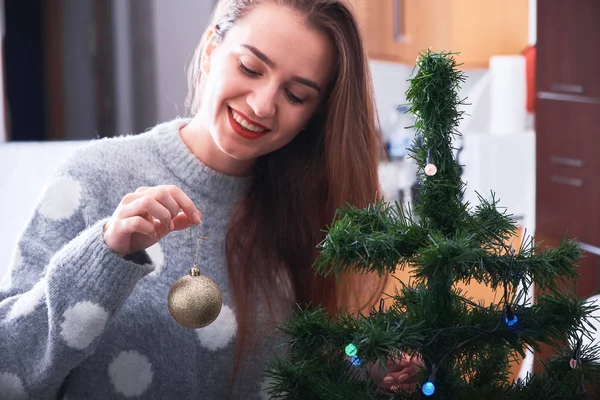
{"x": 240, "y": 130}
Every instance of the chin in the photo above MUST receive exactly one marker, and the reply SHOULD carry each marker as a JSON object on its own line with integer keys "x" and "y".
{"x": 236, "y": 151}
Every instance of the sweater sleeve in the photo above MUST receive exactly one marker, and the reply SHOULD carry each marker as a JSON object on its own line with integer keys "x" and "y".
{"x": 63, "y": 287}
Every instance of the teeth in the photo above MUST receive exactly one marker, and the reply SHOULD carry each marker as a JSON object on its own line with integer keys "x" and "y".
{"x": 240, "y": 120}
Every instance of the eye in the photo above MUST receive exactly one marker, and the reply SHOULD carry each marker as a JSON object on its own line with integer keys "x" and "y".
{"x": 247, "y": 71}
{"x": 294, "y": 99}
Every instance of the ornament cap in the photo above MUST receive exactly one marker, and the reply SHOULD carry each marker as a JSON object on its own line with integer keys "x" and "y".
{"x": 194, "y": 271}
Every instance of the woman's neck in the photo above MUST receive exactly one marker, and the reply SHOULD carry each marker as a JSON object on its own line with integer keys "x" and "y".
{"x": 200, "y": 142}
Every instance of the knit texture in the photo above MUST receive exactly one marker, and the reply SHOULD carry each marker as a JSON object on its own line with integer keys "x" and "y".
{"x": 80, "y": 320}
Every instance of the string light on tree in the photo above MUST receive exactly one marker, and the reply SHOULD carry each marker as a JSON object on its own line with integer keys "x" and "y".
{"x": 428, "y": 388}
{"x": 430, "y": 168}
{"x": 576, "y": 355}
{"x": 351, "y": 351}
{"x": 510, "y": 318}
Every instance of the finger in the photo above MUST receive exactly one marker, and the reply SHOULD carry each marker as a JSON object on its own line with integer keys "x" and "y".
{"x": 397, "y": 364}
{"x": 130, "y": 198}
{"x": 395, "y": 378}
{"x": 146, "y": 205}
{"x": 181, "y": 222}
{"x": 164, "y": 197}
{"x": 136, "y": 224}
{"x": 186, "y": 204}
{"x": 142, "y": 189}
{"x": 403, "y": 361}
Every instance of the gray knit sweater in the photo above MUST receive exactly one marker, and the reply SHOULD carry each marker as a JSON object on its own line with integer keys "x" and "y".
{"x": 79, "y": 321}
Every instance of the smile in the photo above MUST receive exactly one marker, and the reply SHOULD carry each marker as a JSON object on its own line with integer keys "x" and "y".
{"x": 244, "y": 127}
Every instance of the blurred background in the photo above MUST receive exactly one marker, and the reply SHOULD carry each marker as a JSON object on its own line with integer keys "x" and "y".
{"x": 77, "y": 70}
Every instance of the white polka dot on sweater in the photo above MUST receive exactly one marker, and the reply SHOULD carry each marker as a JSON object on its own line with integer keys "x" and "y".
{"x": 221, "y": 332}
{"x": 130, "y": 373}
{"x": 82, "y": 324}
{"x": 158, "y": 258}
{"x": 15, "y": 262}
{"x": 11, "y": 387}
{"x": 28, "y": 301}
{"x": 62, "y": 198}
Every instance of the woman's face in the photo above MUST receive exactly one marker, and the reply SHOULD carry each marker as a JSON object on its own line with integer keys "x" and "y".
{"x": 263, "y": 82}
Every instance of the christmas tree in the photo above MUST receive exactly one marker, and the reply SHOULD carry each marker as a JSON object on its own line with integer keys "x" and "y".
{"x": 466, "y": 348}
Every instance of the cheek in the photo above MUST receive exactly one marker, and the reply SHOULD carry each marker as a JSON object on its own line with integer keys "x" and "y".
{"x": 297, "y": 120}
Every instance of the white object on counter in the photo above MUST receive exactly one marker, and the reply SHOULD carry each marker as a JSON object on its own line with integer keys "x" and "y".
{"x": 508, "y": 94}
{"x": 505, "y": 165}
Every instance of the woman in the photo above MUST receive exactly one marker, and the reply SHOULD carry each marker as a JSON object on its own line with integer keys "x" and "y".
{"x": 282, "y": 133}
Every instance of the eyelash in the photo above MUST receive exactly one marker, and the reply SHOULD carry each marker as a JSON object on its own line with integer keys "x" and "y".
{"x": 253, "y": 74}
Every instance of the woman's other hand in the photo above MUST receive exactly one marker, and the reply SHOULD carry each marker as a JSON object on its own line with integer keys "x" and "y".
{"x": 402, "y": 373}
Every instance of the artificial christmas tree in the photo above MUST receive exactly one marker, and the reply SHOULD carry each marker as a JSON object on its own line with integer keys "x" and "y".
{"x": 464, "y": 348}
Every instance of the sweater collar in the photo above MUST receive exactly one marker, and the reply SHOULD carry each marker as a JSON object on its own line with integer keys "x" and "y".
{"x": 182, "y": 163}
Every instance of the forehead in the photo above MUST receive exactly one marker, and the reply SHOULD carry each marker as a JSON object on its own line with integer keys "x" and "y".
{"x": 285, "y": 38}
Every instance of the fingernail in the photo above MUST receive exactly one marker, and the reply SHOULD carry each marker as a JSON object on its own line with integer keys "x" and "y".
{"x": 388, "y": 379}
{"x": 394, "y": 387}
{"x": 172, "y": 226}
{"x": 197, "y": 218}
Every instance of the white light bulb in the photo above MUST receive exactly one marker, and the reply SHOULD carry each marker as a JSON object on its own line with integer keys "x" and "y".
{"x": 430, "y": 169}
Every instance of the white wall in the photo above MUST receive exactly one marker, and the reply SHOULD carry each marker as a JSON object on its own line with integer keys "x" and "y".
{"x": 178, "y": 26}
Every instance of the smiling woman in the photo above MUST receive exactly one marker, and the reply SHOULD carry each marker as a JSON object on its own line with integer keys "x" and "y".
{"x": 282, "y": 132}
{"x": 255, "y": 84}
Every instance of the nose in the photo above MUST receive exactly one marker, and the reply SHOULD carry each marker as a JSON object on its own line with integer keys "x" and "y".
{"x": 263, "y": 101}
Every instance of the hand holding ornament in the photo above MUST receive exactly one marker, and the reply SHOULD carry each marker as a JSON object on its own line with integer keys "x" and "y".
{"x": 145, "y": 216}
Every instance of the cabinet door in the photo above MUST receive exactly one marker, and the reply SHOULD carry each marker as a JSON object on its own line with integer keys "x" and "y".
{"x": 384, "y": 30}
{"x": 568, "y": 49}
{"x": 568, "y": 188}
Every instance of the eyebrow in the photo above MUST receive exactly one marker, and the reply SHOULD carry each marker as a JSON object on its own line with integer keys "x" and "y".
{"x": 263, "y": 57}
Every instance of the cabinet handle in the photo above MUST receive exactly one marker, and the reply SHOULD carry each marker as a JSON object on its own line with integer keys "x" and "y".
{"x": 398, "y": 28}
{"x": 571, "y": 162}
{"x": 559, "y": 87}
{"x": 567, "y": 181}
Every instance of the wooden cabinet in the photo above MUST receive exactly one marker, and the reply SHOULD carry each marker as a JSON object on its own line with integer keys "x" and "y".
{"x": 569, "y": 50}
{"x": 568, "y": 121}
{"x": 568, "y": 184}
{"x": 567, "y": 118}
{"x": 396, "y": 30}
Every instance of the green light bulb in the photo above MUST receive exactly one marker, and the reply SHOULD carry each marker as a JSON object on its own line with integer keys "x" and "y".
{"x": 351, "y": 350}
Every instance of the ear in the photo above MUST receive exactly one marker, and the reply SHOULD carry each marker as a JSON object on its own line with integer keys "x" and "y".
{"x": 207, "y": 49}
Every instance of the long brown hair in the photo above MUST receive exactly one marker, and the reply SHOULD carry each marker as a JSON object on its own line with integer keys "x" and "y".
{"x": 296, "y": 189}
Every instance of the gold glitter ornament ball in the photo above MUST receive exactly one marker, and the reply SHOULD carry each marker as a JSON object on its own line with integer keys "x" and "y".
{"x": 195, "y": 300}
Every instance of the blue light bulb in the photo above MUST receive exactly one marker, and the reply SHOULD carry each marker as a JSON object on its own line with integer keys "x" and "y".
{"x": 428, "y": 389}
{"x": 511, "y": 322}
{"x": 355, "y": 361}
